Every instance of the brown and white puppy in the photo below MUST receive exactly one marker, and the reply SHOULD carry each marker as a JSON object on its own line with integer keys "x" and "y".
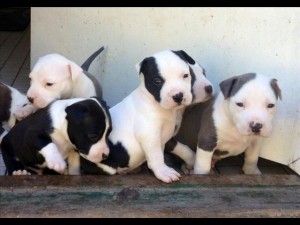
{"x": 234, "y": 122}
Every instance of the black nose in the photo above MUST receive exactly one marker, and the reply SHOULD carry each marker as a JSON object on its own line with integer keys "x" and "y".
{"x": 30, "y": 99}
{"x": 178, "y": 97}
{"x": 104, "y": 156}
{"x": 256, "y": 127}
{"x": 208, "y": 89}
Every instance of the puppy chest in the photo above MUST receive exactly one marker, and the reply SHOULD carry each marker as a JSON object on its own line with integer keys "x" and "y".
{"x": 231, "y": 146}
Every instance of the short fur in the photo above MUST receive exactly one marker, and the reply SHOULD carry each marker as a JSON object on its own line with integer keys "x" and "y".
{"x": 56, "y": 133}
{"x": 230, "y": 124}
{"x": 149, "y": 116}
{"x": 56, "y": 77}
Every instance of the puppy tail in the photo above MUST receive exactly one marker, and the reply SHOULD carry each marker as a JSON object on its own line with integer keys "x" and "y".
{"x": 85, "y": 66}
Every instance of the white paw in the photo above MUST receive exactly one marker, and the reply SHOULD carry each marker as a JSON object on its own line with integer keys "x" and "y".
{"x": 201, "y": 171}
{"x": 57, "y": 164}
{"x": 24, "y": 112}
{"x": 21, "y": 172}
{"x": 251, "y": 170}
{"x": 166, "y": 174}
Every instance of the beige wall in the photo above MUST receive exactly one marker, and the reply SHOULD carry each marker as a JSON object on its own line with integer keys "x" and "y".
{"x": 226, "y": 41}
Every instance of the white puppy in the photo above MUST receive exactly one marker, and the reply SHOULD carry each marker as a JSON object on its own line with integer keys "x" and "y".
{"x": 147, "y": 118}
{"x": 234, "y": 122}
{"x": 56, "y": 77}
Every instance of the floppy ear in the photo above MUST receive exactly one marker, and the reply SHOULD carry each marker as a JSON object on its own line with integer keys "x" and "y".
{"x": 276, "y": 89}
{"x": 185, "y": 57}
{"x": 143, "y": 65}
{"x": 227, "y": 86}
{"x": 75, "y": 112}
{"x": 74, "y": 70}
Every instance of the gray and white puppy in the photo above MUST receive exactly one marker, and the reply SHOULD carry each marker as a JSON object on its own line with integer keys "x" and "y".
{"x": 232, "y": 123}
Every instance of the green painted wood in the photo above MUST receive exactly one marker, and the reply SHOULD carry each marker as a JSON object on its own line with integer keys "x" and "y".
{"x": 145, "y": 196}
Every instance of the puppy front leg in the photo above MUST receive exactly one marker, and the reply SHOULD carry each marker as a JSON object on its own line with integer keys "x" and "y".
{"x": 73, "y": 163}
{"x": 251, "y": 158}
{"x": 24, "y": 112}
{"x": 53, "y": 158}
{"x": 203, "y": 161}
{"x": 182, "y": 151}
{"x": 155, "y": 160}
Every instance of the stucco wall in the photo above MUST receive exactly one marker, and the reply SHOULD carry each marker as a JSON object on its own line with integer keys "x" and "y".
{"x": 225, "y": 41}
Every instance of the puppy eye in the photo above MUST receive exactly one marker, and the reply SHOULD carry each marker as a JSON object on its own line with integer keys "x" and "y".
{"x": 271, "y": 105}
{"x": 240, "y": 104}
{"x": 49, "y": 84}
{"x": 93, "y": 137}
{"x": 185, "y": 75}
{"x": 157, "y": 82}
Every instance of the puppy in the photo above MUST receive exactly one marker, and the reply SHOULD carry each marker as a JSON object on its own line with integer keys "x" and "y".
{"x": 232, "y": 123}
{"x": 11, "y": 100}
{"x": 46, "y": 138}
{"x": 148, "y": 117}
{"x": 56, "y": 77}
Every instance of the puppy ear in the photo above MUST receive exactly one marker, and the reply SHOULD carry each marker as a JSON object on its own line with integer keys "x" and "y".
{"x": 74, "y": 70}
{"x": 144, "y": 64}
{"x": 276, "y": 89}
{"x": 75, "y": 112}
{"x": 227, "y": 86}
{"x": 185, "y": 57}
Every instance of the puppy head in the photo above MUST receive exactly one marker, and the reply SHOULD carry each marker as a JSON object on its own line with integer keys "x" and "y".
{"x": 89, "y": 125}
{"x": 51, "y": 78}
{"x": 202, "y": 88}
{"x": 251, "y": 100}
{"x": 167, "y": 78}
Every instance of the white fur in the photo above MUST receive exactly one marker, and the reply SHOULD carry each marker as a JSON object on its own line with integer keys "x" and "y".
{"x": 232, "y": 124}
{"x": 66, "y": 77}
{"x": 143, "y": 125}
{"x": 53, "y": 158}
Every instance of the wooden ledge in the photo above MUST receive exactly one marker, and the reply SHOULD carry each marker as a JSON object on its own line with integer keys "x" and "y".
{"x": 140, "y": 195}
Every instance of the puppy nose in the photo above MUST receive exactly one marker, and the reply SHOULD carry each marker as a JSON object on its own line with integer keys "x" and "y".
{"x": 208, "y": 89}
{"x": 178, "y": 97}
{"x": 30, "y": 99}
{"x": 104, "y": 156}
{"x": 255, "y": 127}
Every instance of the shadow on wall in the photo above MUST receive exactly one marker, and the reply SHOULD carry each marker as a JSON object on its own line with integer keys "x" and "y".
{"x": 14, "y": 18}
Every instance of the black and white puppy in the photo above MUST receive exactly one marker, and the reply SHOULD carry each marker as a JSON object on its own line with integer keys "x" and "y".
{"x": 232, "y": 123}
{"x": 58, "y": 132}
{"x": 148, "y": 117}
{"x": 11, "y": 100}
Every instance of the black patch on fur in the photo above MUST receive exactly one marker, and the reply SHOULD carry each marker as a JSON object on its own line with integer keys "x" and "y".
{"x": 152, "y": 77}
{"x": 118, "y": 157}
{"x": 170, "y": 145}
{"x": 276, "y": 89}
{"x": 231, "y": 86}
{"x": 84, "y": 128}
{"x": 218, "y": 152}
{"x": 185, "y": 57}
{"x": 21, "y": 145}
{"x": 5, "y": 102}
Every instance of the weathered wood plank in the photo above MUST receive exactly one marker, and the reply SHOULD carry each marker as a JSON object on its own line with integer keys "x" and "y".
{"x": 22, "y": 81}
{"x": 145, "y": 196}
{"x": 8, "y": 46}
{"x": 3, "y": 37}
{"x": 13, "y": 64}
